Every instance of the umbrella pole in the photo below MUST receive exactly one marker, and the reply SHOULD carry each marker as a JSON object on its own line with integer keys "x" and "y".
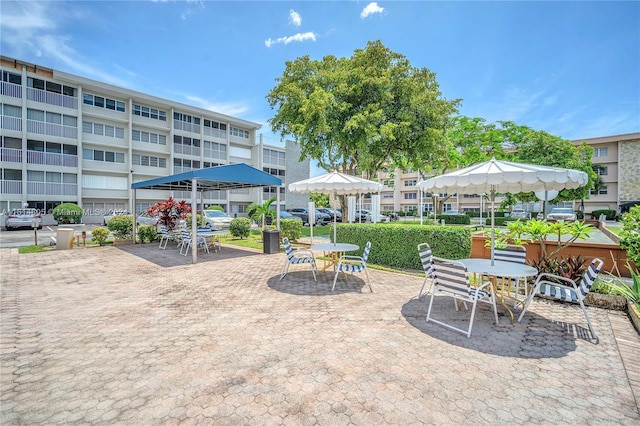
{"x": 493, "y": 228}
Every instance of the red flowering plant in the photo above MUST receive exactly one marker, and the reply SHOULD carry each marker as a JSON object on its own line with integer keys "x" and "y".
{"x": 169, "y": 212}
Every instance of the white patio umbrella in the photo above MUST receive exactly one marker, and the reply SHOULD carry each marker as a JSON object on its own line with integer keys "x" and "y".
{"x": 338, "y": 184}
{"x": 504, "y": 176}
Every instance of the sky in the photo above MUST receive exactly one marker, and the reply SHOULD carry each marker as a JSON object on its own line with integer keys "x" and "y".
{"x": 569, "y": 68}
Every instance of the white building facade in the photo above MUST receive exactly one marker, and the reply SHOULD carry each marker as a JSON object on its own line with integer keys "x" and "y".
{"x": 65, "y": 138}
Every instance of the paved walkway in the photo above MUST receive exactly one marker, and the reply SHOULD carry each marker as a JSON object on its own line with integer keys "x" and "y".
{"x": 137, "y": 335}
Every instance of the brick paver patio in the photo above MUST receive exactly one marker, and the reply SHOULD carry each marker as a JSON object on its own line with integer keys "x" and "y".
{"x": 137, "y": 335}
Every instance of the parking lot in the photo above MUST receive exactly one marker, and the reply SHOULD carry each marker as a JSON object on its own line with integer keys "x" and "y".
{"x": 25, "y": 237}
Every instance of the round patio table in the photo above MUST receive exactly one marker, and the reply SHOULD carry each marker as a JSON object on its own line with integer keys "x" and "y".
{"x": 335, "y": 251}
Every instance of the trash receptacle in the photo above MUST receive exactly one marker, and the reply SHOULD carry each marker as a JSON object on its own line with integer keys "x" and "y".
{"x": 64, "y": 239}
{"x": 271, "y": 241}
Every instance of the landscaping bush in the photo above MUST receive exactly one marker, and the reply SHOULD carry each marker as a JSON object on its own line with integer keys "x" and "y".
{"x": 99, "y": 235}
{"x": 397, "y": 246}
{"x": 219, "y": 208}
{"x": 147, "y": 233}
{"x": 630, "y": 234}
{"x": 500, "y": 221}
{"x": 457, "y": 219}
{"x": 240, "y": 227}
{"x": 121, "y": 226}
{"x": 610, "y": 214}
{"x": 67, "y": 213}
{"x": 290, "y": 228}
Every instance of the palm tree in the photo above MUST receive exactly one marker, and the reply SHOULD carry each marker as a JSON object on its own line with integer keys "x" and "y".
{"x": 259, "y": 212}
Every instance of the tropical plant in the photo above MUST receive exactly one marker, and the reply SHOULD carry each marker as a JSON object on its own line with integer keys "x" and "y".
{"x": 67, "y": 213}
{"x": 215, "y": 207}
{"x": 571, "y": 267}
{"x": 291, "y": 228}
{"x": 319, "y": 199}
{"x": 170, "y": 212}
{"x": 630, "y": 235}
{"x": 259, "y": 212}
{"x": 147, "y": 233}
{"x": 121, "y": 226}
{"x": 240, "y": 227}
{"x": 99, "y": 235}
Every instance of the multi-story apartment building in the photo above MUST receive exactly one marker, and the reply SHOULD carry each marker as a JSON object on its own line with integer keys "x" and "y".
{"x": 65, "y": 138}
{"x": 618, "y": 157}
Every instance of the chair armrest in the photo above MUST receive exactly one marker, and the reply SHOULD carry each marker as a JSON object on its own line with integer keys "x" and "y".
{"x": 303, "y": 252}
{"x": 546, "y": 277}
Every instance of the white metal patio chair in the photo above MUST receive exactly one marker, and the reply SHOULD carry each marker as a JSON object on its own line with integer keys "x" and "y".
{"x": 187, "y": 241}
{"x": 565, "y": 289}
{"x": 426, "y": 258}
{"x": 165, "y": 236}
{"x": 450, "y": 279}
{"x": 297, "y": 257}
{"x": 349, "y": 263}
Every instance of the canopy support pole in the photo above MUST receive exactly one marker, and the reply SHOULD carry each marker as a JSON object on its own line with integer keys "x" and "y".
{"x": 194, "y": 221}
{"x": 493, "y": 227}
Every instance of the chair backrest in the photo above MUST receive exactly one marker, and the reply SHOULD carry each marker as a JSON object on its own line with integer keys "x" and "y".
{"x": 287, "y": 247}
{"x": 426, "y": 257}
{"x": 590, "y": 276}
{"x": 452, "y": 276}
{"x": 163, "y": 230}
{"x": 367, "y": 250}
{"x": 511, "y": 253}
{"x": 185, "y": 234}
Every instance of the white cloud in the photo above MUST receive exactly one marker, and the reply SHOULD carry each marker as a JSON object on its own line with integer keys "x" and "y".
{"x": 370, "y": 9}
{"x": 295, "y": 18}
{"x": 228, "y": 108}
{"x": 300, "y": 37}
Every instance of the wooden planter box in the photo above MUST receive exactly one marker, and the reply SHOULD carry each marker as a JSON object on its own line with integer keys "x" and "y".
{"x": 584, "y": 249}
{"x": 633, "y": 316}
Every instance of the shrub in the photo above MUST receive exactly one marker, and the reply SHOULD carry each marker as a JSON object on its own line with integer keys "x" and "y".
{"x": 291, "y": 228}
{"x": 630, "y": 234}
{"x": 458, "y": 219}
{"x": 500, "y": 221}
{"x": 66, "y": 213}
{"x": 147, "y": 233}
{"x": 169, "y": 212}
{"x": 396, "y": 246}
{"x": 219, "y": 208}
{"x": 99, "y": 235}
{"x": 240, "y": 227}
{"x": 610, "y": 214}
{"x": 121, "y": 226}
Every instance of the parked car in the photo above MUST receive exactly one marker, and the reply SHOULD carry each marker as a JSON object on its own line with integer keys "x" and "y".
{"x": 520, "y": 214}
{"x": 561, "y": 213}
{"x": 367, "y": 216}
{"x": 217, "y": 219}
{"x": 452, "y": 211}
{"x": 283, "y": 215}
{"x": 330, "y": 212}
{"x": 145, "y": 219}
{"x": 303, "y": 213}
{"x": 113, "y": 213}
{"x": 24, "y": 217}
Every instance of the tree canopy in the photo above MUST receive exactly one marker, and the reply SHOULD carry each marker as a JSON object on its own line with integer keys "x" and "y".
{"x": 362, "y": 113}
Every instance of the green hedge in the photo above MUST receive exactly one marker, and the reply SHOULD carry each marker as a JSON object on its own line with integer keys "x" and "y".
{"x": 611, "y": 214}
{"x": 397, "y": 246}
{"x": 455, "y": 219}
{"x": 500, "y": 221}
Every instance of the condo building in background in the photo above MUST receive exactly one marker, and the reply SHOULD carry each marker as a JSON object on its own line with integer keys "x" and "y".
{"x": 66, "y": 138}
{"x": 617, "y": 158}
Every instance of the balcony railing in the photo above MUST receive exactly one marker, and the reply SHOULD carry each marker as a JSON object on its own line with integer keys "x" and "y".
{"x": 52, "y": 159}
{"x": 52, "y": 129}
{"x": 11, "y": 123}
{"x": 187, "y": 127}
{"x": 11, "y": 155}
{"x": 216, "y": 133}
{"x": 11, "y": 89}
{"x": 52, "y": 98}
{"x": 44, "y": 188}
{"x": 11, "y": 186}
{"x": 186, "y": 149}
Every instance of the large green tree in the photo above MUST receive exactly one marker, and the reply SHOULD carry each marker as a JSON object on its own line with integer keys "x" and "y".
{"x": 362, "y": 113}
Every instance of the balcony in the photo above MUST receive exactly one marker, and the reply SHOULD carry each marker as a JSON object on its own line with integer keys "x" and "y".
{"x": 187, "y": 127}
{"x": 216, "y": 133}
{"x": 11, "y": 155}
{"x": 44, "y": 188}
{"x": 11, "y": 89}
{"x": 186, "y": 149}
{"x": 51, "y": 129}
{"x": 52, "y": 159}
{"x": 11, "y": 123}
{"x": 10, "y": 187}
{"x": 51, "y": 98}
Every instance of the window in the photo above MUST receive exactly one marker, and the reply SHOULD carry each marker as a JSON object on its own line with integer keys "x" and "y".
{"x": 387, "y": 195}
{"x": 142, "y": 136}
{"x": 410, "y": 195}
{"x": 11, "y": 110}
{"x": 600, "y": 152}
{"x": 271, "y": 156}
{"x": 602, "y": 191}
{"x": 11, "y": 77}
{"x": 186, "y": 118}
{"x": 100, "y": 155}
{"x": 7, "y": 142}
{"x": 602, "y": 170}
{"x": 215, "y": 150}
{"x": 410, "y": 182}
{"x": 102, "y": 129}
{"x": 150, "y": 161}
{"x": 145, "y": 111}
{"x": 50, "y": 86}
{"x": 101, "y": 102}
{"x": 11, "y": 174}
{"x": 234, "y": 131}
{"x": 389, "y": 182}
{"x": 215, "y": 125}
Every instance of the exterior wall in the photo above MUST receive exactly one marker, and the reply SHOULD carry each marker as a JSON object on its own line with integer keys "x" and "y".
{"x": 107, "y": 138}
{"x": 629, "y": 185}
{"x": 296, "y": 171}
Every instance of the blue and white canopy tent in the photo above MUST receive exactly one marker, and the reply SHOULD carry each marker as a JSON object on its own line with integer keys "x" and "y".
{"x": 220, "y": 178}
